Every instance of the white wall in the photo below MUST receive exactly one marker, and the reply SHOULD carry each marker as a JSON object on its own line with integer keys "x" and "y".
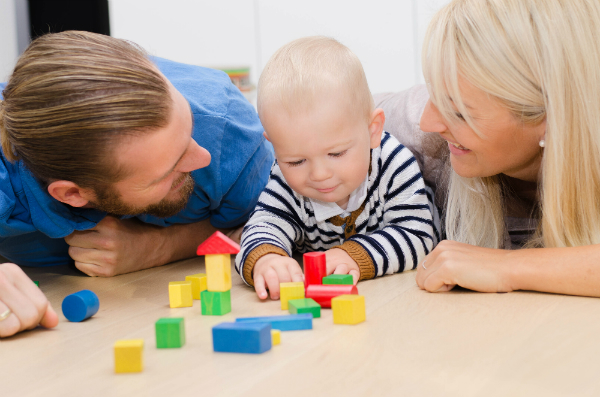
{"x": 8, "y": 38}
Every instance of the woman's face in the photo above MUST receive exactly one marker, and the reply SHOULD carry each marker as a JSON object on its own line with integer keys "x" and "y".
{"x": 506, "y": 145}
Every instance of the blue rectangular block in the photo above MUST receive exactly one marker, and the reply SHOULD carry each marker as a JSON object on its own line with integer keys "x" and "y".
{"x": 292, "y": 322}
{"x": 242, "y": 337}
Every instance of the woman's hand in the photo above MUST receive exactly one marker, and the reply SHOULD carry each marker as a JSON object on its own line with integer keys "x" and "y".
{"x": 475, "y": 268}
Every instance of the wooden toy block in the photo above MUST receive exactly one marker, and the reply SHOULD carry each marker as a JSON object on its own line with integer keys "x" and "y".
{"x": 315, "y": 268}
{"x": 288, "y": 291}
{"x": 275, "y": 337}
{"x": 198, "y": 284}
{"x": 292, "y": 322}
{"x": 170, "y": 332}
{"x": 215, "y": 303}
{"x": 80, "y": 305}
{"x": 254, "y": 338}
{"x": 218, "y": 272}
{"x": 37, "y": 283}
{"x": 306, "y": 305}
{"x": 180, "y": 294}
{"x": 129, "y": 355}
{"x": 348, "y": 309}
{"x": 338, "y": 279}
{"x": 218, "y": 243}
{"x": 322, "y": 294}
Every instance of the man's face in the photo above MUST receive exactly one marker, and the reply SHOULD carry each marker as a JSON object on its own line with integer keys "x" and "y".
{"x": 158, "y": 166}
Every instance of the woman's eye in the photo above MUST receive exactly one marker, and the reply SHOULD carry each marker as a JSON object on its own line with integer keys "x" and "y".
{"x": 295, "y": 163}
{"x": 460, "y": 116}
{"x": 338, "y": 154}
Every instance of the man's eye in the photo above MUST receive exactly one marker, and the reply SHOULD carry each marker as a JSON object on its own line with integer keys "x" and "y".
{"x": 338, "y": 154}
{"x": 295, "y": 163}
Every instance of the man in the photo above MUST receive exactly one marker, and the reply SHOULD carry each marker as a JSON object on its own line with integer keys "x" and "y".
{"x": 90, "y": 125}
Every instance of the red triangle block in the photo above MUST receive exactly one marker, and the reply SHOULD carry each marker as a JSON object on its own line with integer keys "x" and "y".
{"x": 216, "y": 244}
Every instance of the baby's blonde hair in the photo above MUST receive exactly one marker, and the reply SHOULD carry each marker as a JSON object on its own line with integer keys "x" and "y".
{"x": 302, "y": 70}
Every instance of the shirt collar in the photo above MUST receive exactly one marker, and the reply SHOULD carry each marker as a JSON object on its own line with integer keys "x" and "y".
{"x": 324, "y": 210}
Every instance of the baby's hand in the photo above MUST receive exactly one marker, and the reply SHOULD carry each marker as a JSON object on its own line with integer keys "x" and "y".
{"x": 272, "y": 269}
{"x": 339, "y": 262}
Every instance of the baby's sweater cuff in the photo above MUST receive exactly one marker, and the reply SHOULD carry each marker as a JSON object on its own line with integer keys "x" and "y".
{"x": 360, "y": 256}
{"x": 255, "y": 255}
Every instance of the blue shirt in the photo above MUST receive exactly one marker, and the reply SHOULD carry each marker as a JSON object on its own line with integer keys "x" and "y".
{"x": 33, "y": 224}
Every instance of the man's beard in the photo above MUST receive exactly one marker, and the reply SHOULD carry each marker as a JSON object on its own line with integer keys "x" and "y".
{"x": 108, "y": 200}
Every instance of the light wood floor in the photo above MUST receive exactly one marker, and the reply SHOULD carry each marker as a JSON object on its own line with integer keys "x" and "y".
{"x": 413, "y": 344}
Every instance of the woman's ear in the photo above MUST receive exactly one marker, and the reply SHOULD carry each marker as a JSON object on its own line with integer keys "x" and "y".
{"x": 376, "y": 127}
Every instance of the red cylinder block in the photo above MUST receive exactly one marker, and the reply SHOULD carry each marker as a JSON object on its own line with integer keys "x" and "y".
{"x": 315, "y": 268}
{"x": 323, "y": 294}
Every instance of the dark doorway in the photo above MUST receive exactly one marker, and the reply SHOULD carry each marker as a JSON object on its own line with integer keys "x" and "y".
{"x": 53, "y": 16}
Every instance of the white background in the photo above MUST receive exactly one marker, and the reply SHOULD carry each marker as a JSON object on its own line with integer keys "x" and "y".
{"x": 385, "y": 34}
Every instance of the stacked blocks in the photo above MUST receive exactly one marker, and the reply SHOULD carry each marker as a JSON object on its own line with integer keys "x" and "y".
{"x": 80, "y": 305}
{"x": 306, "y": 305}
{"x": 348, "y": 309}
{"x": 170, "y": 333}
{"x": 198, "y": 284}
{"x": 294, "y": 322}
{"x": 334, "y": 279}
{"x": 128, "y": 355}
{"x": 252, "y": 337}
{"x": 290, "y": 291}
{"x": 275, "y": 337}
{"x": 216, "y": 299}
{"x": 180, "y": 294}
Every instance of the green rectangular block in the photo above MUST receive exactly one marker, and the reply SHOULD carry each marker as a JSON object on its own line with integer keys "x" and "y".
{"x": 170, "y": 332}
{"x": 215, "y": 303}
{"x": 345, "y": 279}
{"x": 37, "y": 283}
{"x": 307, "y": 305}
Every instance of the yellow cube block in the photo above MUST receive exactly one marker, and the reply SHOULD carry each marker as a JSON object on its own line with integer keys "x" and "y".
{"x": 289, "y": 291}
{"x": 180, "y": 294}
{"x": 198, "y": 284}
{"x": 218, "y": 272}
{"x": 129, "y": 355}
{"x": 348, "y": 309}
{"x": 275, "y": 337}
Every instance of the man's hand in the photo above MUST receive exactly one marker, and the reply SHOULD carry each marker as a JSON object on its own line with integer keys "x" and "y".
{"x": 271, "y": 270}
{"x": 339, "y": 262}
{"x": 23, "y": 301}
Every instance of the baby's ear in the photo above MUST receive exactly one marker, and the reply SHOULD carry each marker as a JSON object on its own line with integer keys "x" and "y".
{"x": 266, "y": 136}
{"x": 376, "y": 127}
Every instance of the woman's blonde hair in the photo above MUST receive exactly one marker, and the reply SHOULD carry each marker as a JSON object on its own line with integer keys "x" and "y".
{"x": 541, "y": 59}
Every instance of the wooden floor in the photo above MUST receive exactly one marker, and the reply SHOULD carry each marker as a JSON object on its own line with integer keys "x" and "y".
{"x": 413, "y": 344}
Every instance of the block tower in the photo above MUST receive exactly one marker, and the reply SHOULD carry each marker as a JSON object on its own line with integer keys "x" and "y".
{"x": 216, "y": 300}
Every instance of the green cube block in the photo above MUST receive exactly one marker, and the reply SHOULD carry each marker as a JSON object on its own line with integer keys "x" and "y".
{"x": 345, "y": 279}
{"x": 307, "y": 305}
{"x": 170, "y": 332}
{"x": 37, "y": 283}
{"x": 215, "y": 303}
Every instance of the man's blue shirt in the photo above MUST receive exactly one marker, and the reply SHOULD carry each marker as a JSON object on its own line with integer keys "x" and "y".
{"x": 33, "y": 224}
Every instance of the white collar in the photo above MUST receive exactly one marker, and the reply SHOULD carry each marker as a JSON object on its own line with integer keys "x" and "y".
{"x": 324, "y": 210}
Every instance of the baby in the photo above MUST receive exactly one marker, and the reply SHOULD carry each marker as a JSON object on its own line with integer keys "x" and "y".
{"x": 340, "y": 184}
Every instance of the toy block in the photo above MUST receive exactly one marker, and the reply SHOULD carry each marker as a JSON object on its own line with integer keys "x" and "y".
{"x": 215, "y": 303}
{"x": 180, "y": 294}
{"x": 306, "y": 305}
{"x": 289, "y": 291}
{"x": 315, "y": 268}
{"x": 129, "y": 355}
{"x": 80, "y": 305}
{"x": 170, "y": 332}
{"x": 254, "y": 338}
{"x": 348, "y": 309}
{"x": 322, "y": 294}
{"x": 275, "y": 337}
{"x": 37, "y": 283}
{"x": 218, "y": 243}
{"x": 218, "y": 272}
{"x": 292, "y": 322}
{"x": 198, "y": 284}
{"x": 338, "y": 279}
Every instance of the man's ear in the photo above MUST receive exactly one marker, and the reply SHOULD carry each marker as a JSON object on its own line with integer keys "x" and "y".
{"x": 70, "y": 193}
{"x": 376, "y": 127}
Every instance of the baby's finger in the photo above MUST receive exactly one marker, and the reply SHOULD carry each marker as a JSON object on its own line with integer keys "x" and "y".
{"x": 296, "y": 273}
{"x": 355, "y": 276}
{"x": 341, "y": 269}
{"x": 272, "y": 281}
{"x": 259, "y": 286}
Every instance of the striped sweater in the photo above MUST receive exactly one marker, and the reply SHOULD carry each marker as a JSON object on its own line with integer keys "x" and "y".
{"x": 392, "y": 231}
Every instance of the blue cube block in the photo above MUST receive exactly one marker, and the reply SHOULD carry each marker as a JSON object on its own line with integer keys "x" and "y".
{"x": 80, "y": 305}
{"x": 242, "y": 337}
{"x": 292, "y": 322}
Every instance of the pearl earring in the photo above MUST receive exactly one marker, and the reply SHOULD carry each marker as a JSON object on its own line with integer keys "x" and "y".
{"x": 543, "y": 143}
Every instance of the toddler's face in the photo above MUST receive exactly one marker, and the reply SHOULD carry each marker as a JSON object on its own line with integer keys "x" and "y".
{"x": 323, "y": 153}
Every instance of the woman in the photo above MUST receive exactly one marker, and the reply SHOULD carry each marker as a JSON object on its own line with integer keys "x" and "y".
{"x": 514, "y": 102}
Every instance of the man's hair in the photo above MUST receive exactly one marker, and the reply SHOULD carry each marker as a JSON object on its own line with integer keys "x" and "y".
{"x": 302, "y": 70}
{"x": 70, "y": 98}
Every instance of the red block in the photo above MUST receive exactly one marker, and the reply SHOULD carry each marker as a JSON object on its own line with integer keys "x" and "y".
{"x": 323, "y": 294}
{"x": 315, "y": 268}
{"x": 216, "y": 244}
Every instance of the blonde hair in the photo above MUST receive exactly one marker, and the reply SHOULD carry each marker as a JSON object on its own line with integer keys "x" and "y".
{"x": 71, "y": 96}
{"x": 540, "y": 58}
{"x": 300, "y": 71}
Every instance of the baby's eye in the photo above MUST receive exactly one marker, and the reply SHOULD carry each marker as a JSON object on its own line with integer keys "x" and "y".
{"x": 295, "y": 163}
{"x": 338, "y": 154}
